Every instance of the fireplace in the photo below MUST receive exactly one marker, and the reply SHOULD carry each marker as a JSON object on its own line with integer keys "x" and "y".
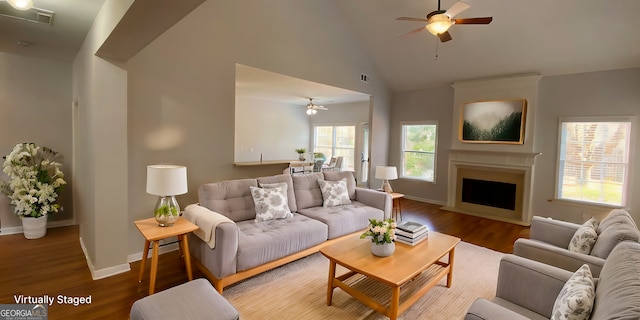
{"x": 495, "y": 185}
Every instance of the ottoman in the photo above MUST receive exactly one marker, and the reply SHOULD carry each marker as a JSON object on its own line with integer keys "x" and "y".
{"x": 195, "y": 299}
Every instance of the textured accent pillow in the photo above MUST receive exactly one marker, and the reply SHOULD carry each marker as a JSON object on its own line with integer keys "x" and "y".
{"x": 334, "y": 193}
{"x": 271, "y": 202}
{"x": 575, "y": 300}
{"x": 585, "y": 237}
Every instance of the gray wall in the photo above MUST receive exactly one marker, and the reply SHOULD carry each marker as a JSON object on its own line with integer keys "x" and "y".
{"x": 589, "y": 94}
{"x": 35, "y": 106}
{"x": 185, "y": 79}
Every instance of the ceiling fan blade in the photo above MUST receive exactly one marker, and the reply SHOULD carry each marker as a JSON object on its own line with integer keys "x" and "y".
{"x": 412, "y": 32}
{"x": 412, "y": 19}
{"x": 445, "y": 36}
{"x": 483, "y": 20}
{"x": 456, "y": 8}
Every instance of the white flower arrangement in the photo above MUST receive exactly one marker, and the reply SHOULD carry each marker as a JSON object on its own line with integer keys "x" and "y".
{"x": 381, "y": 231}
{"x": 35, "y": 180}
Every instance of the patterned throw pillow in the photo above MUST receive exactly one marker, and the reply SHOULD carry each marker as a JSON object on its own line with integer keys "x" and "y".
{"x": 334, "y": 193}
{"x": 585, "y": 237}
{"x": 271, "y": 203}
{"x": 575, "y": 300}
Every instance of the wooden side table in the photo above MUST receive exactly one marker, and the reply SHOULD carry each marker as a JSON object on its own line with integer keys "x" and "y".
{"x": 153, "y": 233}
{"x": 396, "y": 209}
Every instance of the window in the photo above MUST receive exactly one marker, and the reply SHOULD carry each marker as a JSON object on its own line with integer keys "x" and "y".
{"x": 419, "y": 144}
{"x": 336, "y": 141}
{"x": 593, "y": 160}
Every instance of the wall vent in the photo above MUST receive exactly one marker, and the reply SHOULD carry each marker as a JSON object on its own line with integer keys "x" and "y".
{"x": 364, "y": 78}
{"x": 36, "y": 15}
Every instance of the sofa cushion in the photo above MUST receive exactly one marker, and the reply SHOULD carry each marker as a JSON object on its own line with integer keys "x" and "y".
{"x": 307, "y": 190}
{"x": 262, "y": 242}
{"x": 344, "y": 219}
{"x": 585, "y": 237}
{"x": 618, "y": 290}
{"x": 575, "y": 300}
{"x": 339, "y": 175}
{"x": 230, "y": 198}
{"x": 278, "y": 179}
{"x": 618, "y": 226}
{"x": 271, "y": 202}
{"x": 334, "y": 193}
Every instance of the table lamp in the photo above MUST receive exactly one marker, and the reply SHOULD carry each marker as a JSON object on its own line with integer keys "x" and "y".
{"x": 166, "y": 181}
{"x": 386, "y": 174}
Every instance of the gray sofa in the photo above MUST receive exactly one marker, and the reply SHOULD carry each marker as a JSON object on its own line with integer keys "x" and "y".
{"x": 528, "y": 289}
{"x": 549, "y": 241}
{"x": 245, "y": 247}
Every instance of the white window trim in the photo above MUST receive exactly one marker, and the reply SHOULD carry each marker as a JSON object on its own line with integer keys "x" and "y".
{"x": 435, "y": 152}
{"x": 629, "y": 173}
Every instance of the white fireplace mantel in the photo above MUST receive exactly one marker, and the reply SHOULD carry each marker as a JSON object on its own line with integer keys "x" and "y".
{"x": 523, "y": 162}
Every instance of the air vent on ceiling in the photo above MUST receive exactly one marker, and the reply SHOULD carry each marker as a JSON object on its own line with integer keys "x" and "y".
{"x": 36, "y": 15}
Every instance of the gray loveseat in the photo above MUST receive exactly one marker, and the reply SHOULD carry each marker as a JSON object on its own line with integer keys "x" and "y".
{"x": 528, "y": 289}
{"x": 245, "y": 246}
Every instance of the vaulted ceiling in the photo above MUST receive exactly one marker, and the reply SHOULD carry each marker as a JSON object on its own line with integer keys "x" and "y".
{"x": 548, "y": 37}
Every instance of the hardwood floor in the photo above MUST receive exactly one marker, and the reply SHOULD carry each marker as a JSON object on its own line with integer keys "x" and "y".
{"x": 55, "y": 265}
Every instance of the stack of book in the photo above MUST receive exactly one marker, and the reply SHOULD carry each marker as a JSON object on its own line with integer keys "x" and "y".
{"x": 411, "y": 233}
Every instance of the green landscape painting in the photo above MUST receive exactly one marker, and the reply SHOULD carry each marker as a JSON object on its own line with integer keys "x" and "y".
{"x": 500, "y": 121}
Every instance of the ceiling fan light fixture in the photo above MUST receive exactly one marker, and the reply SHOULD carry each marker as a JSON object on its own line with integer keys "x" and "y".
{"x": 439, "y": 23}
{"x": 21, "y": 4}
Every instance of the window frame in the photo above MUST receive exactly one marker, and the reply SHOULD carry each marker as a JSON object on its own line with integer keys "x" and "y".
{"x": 402, "y": 149}
{"x": 628, "y": 172}
{"x": 345, "y": 164}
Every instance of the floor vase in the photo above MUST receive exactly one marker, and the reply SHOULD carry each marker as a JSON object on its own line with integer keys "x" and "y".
{"x": 383, "y": 249}
{"x": 34, "y": 228}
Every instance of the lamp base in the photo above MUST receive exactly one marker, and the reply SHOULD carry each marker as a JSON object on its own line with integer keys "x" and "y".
{"x": 386, "y": 187}
{"x": 167, "y": 211}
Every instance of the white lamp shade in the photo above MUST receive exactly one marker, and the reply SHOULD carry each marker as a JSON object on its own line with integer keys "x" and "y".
{"x": 386, "y": 173}
{"x": 166, "y": 180}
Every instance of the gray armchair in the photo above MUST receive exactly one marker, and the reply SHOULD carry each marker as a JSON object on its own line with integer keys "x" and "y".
{"x": 549, "y": 241}
{"x": 527, "y": 289}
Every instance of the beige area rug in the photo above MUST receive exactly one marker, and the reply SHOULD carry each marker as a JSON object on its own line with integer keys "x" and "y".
{"x": 299, "y": 290}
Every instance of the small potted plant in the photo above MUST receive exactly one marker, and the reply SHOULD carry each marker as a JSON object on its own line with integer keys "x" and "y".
{"x": 382, "y": 234}
{"x": 301, "y": 152}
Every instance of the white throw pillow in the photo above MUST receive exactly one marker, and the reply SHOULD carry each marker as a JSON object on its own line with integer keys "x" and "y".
{"x": 585, "y": 237}
{"x": 575, "y": 300}
{"x": 334, "y": 193}
{"x": 271, "y": 203}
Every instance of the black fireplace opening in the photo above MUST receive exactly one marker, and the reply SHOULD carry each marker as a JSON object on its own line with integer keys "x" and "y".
{"x": 489, "y": 193}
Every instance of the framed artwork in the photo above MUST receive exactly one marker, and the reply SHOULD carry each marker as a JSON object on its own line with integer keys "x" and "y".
{"x": 498, "y": 121}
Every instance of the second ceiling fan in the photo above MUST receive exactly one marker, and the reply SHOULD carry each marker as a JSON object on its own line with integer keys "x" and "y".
{"x": 439, "y": 21}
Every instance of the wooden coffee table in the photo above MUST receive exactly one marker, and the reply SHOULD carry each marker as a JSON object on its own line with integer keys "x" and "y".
{"x": 405, "y": 264}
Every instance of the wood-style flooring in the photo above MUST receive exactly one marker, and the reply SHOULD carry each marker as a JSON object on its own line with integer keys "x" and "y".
{"x": 55, "y": 265}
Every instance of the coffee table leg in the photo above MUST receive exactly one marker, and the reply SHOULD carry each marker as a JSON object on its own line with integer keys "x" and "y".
{"x": 332, "y": 275}
{"x": 450, "y": 275}
{"x": 395, "y": 303}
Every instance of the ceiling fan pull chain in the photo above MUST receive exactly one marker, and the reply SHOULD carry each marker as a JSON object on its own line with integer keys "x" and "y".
{"x": 437, "y": 47}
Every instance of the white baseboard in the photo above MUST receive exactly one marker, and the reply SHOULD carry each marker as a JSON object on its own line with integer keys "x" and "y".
{"x": 138, "y": 255}
{"x": 440, "y": 203}
{"x": 105, "y": 272}
{"x": 50, "y": 224}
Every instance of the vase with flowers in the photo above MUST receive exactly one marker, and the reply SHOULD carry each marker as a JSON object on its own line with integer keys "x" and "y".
{"x": 35, "y": 182}
{"x": 382, "y": 234}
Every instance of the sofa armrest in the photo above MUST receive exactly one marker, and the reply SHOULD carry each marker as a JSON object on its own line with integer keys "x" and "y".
{"x": 376, "y": 199}
{"x": 483, "y": 309}
{"x": 558, "y": 257}
{"x": 220, "y": 261}
{"x": 530, "y": 284}
{"x": 555, "y": 232}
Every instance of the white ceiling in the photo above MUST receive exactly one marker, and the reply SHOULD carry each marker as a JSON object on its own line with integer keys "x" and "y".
{"x": 548, "y": 37}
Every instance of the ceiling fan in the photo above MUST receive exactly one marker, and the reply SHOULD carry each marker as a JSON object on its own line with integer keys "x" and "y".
{"x": 313, "y": 108}
{"x": 439, "y": 21}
